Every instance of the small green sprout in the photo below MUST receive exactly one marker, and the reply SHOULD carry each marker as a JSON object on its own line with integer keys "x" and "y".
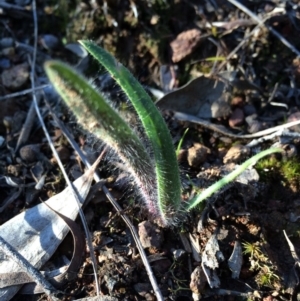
{"x": 181, "y": 141}
{"x": 267, "y": 277}
{"x": 252, "y": 249}
{"x": 155, "y": 171}
{"x": 260, "y": 262}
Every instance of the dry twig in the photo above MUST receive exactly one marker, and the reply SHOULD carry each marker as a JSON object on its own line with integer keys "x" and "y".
{"x": 85, "y": 226}
{"x": 35, "y": 274}
{"x": 261, "y": 23}
{"x": 24, "y": 92}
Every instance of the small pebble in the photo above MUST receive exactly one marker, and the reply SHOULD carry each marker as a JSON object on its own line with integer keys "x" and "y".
{"x": 49, "y": 41}
{"x": 14, "y": 170}
{"x": 236, "y": 153}
{"x": 226, "y": 140}
{"x": 290, "y": 150}
{"x": 220, "y": 109}
{"x": 269, "y": 7}
{"x": 16, "y": 77}
{"x": 249, "y": 175}
{"x": 150, "y": 297}
{"x": 77, "y": 49}
{"x": 197, "y": 155}
{"x": 29, "y": 153}
{"x": 250, "y": 118}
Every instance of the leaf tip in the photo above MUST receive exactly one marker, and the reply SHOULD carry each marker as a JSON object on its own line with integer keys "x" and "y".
{"x": 47, "y": 64}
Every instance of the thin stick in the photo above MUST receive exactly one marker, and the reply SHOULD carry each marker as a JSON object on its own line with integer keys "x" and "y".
{"x": 35, "y": 274}
{"x": 292, "y": 248}
{"x": 27, "y": 126}
{"x": 76, "y": 196}
{"x": 24, "y": 92}
{"x": 29, "y": 48}
{"x": 237, "y": 48}
{"x": 31, "y": 114}
{"x": 261, "y": 23}
{"x": 6, "y": 5}
{"x": 26, "y": 129}
{"x": 224, "y": 131}
{"x": 280, "y": 133}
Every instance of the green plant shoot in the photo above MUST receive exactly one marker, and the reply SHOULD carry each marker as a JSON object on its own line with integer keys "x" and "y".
{"x": 166, "y": 168}
{"x": 157, "y": 179}
{"x": 96, "y": 116}
{"x": 229, "y": 178}
{"x": 180, "y": 142}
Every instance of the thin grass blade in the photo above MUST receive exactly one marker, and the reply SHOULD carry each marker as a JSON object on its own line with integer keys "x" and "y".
{"x": 229, "y": 178}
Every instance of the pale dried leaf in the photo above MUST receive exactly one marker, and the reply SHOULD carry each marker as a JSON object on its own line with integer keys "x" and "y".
{"x": 37, "y": 232}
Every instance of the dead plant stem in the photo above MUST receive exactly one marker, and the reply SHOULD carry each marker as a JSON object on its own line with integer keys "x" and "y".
{"x": 26, "y": 266}
{"x": 24, "y": 92}
{"x": 261, "y": 23}
{"x": 76, "y": 196}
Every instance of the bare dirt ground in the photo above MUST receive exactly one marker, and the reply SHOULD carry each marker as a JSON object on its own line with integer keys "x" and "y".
{"x": 166, "y": 44}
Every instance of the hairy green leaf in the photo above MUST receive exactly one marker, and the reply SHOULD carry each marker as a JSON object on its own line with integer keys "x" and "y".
{"x": 96, "y": 116}
{"x": 166, "y": 167}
